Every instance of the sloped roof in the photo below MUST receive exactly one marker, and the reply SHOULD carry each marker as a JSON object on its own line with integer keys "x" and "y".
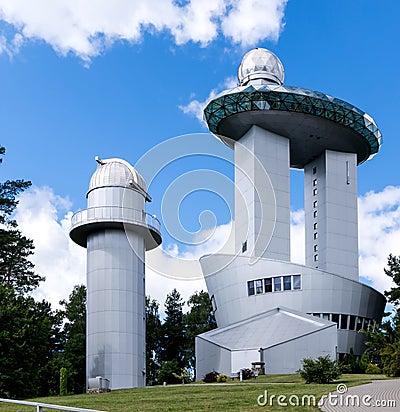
{"x": 267, "y": 329}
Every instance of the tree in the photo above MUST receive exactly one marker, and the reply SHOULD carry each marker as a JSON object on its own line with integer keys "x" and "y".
{"x": 74, "y": 338}
{"x": 393, "y": 271}
{"x": 173, "y": 330}
{"x": 16, "y": 271}
{"x": 199, "y": 319}
{"x": 153, "y": 343}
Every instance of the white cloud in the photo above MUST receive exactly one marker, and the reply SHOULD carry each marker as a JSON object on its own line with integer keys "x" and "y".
{"x": 87, "y": 28}
{"x": 297, "y": 237}
{"x": 195, "y": 107}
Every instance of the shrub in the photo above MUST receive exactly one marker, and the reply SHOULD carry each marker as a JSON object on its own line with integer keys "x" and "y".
{"x": 169, "y": 372}
{"x": 210, "y": 377}
{"x": 63, "y": 382}
{"x": 321, "y": 370}
{"x": 246, "y": 374}
{"x": 373, "y": 369}
{"x": 222, "y": 378}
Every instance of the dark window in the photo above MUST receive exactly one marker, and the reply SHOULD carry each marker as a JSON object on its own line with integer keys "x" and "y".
{"x": 343, "y": 321}
{"x": 244, "y": 246}
{"x": 296, "y": 281}
{"x": 315, "y": 191}
{"x": 315, "y": 225}
{"x": 315, "y": 203}
{"x": 317, "y": 315}
{"x": 259, "y": 286}
{"x": 359, "y": 324}
{"x": 268, "y": 285}
{"x": 315, "y": 235}
{"x": 277, "y": 284}
{"x": 287, "y": 283}
{"x": 213, "y": 303}
{"x": 250, "y": 287}
{"x": 315, "y": 213}
{"x": 352, "y": 322}
{"x": 315, "y": 248}
{"x": 315, "y": 258}
{"x": 335, "y": 318}
{"x": 314, "y": 182}
{"x": 325, "y": 316}
{"x": 314, "y": 170}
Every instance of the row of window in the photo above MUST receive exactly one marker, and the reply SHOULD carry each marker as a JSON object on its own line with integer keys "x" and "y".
{"x": 350, "y": 322}
{"x": 315, "y": 204}
{"x": 274, "y": 284}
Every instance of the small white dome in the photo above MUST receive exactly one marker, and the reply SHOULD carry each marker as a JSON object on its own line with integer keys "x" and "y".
{"x": 116, "y": 172}
{"x": 261, "y": 64}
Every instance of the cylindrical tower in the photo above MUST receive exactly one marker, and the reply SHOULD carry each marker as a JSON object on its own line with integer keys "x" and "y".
{"x": 116, "y": 230}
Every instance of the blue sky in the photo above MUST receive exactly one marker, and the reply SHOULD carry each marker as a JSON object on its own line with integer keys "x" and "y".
{"x": 118, "y": 81}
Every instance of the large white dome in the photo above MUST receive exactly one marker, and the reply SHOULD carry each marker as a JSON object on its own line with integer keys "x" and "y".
{"x": 116, "y": 172}
{"x": 261, "y": 63}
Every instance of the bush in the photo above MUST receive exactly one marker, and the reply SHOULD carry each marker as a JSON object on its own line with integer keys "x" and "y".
{"x": 211, "y": 377}
{"x": 222, "y": 378}
{"x": 321, "y": 370}
{"x": 63, "y": 382}
{"x": 246, "y": 374}
{"x": 169, "y": 372}
{"x": 373, "y": 369}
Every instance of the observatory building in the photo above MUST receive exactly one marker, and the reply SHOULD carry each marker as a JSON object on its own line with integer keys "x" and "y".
{"x": 116, "y": 230}
{"x": 267, "y": 308}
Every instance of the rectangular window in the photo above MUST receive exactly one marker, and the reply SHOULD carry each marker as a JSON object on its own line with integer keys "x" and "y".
{"x": 343, "y": 321}
{"x": 325, "y": 316}
{"x": 277, "y": 284}
{"x": 352, "y": 322}
{"x": 314, "y": 170}
{"x": 315, "y": 248}
{"x": 315, "y": 225}
{"x": 244, "y": 246}
{"x": 296, "y": 282}
{"x": 315, "y": 203}
{"x": 287, "y": 283}
{"x": 359, "y": 324}
{"x": 314, "y": 182}
{"x": 259, "y": 286}
{"x": 317, "y": 315}
{"x": 315, "y": 213}
{"x": 316, "y": 235}
{"x": 250, "y": 287}
{"x": 268, "y": 285}
{"x": 315, "y": 258}
{"x": 335, "y": 318}
{"x": 315, "y": 191}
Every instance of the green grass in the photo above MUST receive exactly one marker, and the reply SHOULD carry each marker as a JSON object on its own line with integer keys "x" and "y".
{"x": 233, "y": 396}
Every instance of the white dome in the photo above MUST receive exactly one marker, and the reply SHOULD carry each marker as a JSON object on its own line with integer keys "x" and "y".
{"x": 261, "y": 64}
{"x": 116, "y": 172}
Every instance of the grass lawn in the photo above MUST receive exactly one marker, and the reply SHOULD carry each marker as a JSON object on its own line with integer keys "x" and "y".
{"x": 233, "y": 396}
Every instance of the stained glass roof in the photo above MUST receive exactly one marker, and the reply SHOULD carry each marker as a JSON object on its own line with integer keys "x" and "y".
{"x": 262, "y": 100}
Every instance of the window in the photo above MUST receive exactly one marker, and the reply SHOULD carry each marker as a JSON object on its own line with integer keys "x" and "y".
{"x": 244, "y": 246}
{"x": 315, "y": 225}
{"x": 259, "y": 286}
{"x": 315, "y": 235}
{"x": 277, "y": 284}
{"x": 315, "y": 258}
{"x": 325, "y": 316}
{"x": 250, "y": 288}
{"x": 352, "y": 322}
{"x": 315, "y": 213}
{"x": 343, "y": 321}
{"x": 314, "y": 170}
{"x": 287, "y": 283}
{"x": 315, "y": 248}
{"x": 315, "y": 203}
{"x": 314, "y": 182}
{"x": 335, "y": 318}
{"x": 317, "y": 315}
{"x": 359, "y": 324}
{"x": 268, "y": 285}
{"x": 296, "y": 282}
{"x": 213, "y": 303}
{"x": 315, "y": 191}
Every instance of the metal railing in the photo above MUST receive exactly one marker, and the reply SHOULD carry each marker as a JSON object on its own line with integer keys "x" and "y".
{"x": 126, "y": 214}
{"x": 39, "y": 406}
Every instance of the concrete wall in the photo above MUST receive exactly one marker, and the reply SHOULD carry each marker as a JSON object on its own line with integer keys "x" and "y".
{"x": 331, "y": 226}
{"x": 262, "y": 194}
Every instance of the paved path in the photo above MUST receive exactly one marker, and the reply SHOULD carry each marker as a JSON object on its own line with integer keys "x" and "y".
{"x": 378, "y": 396}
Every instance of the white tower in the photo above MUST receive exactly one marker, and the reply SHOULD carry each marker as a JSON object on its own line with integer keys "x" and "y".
{"x": 116, "y": 231}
